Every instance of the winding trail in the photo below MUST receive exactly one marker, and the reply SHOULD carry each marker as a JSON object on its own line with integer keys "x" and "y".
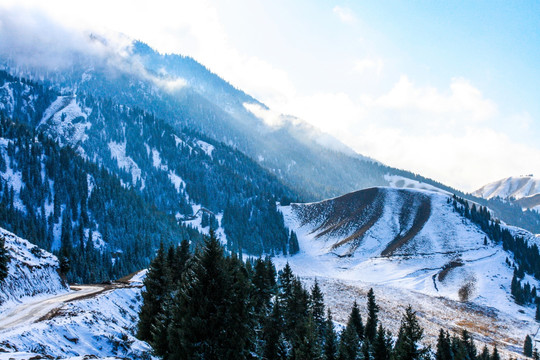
{"x": 30, "y": 312}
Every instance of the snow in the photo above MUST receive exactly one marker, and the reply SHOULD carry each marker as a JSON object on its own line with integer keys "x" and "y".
{"x": 7, "y": 99}
{"x": 206, "y": 147}
{"x": 32, "y": 272}
{"x": 511, "y": 187}
{"x": 102, "y": 326}
{"x": 118, "y": 152}
{"x": 414, "y": 272}
{"x": 196, "y": 223}
{"x": 397, "y": 181}
{"x": 177, "y": 181}
{"x": 65, "y": 119}
{"x": 156, "y": 161}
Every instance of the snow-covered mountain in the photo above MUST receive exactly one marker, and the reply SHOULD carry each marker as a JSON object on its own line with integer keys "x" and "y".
{"x": 32, "y": 272}
{"x": 409, "y": 242}
{"x": 522, "y": 190}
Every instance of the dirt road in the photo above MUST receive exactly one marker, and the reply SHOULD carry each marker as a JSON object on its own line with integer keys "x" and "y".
{"x": 31, "y": 312}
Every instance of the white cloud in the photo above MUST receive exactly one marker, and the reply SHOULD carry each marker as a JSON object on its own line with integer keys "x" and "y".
{"x": 344, "y": 14}
{"x": 463, "y": 100}
{"x": 451, "y": 136}
{"x": 365, "y": 66}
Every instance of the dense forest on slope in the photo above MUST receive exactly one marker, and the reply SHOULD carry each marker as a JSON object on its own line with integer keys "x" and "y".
{"x": 208, "y": 305}
{"x": 80, "y": 211}
{"x": 177, "y": 171}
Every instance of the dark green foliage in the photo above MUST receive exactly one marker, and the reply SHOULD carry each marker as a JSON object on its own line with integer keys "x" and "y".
{"x": 382, "y": 345}
{"x": 294, "y": 248}
{"x": 355, "y": 321}
{"x": 495, "y": 355}
{"x": 371, "y": 323}
{"x": 330, "y": 341}
{"x": 528, "y": 346}
{"x": 155, "y": 283}
{"x": 210, "y": 314}
{"x": 318, "y": 311}
{"x": 274, "y": 347}
{"x": 349, "y": 344}
{"x": 484, "y": 355}
{"x": 410, "y": 333}
{"x": 537, "y": 315}
{"x": 4, "y": 259}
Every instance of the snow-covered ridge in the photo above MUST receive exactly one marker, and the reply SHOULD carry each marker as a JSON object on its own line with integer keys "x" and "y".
{"x": 32, "y": 272}
{"x": 401, "y": 182}
{"x": 511, "y": 187}
{"x": 523, "y": 190}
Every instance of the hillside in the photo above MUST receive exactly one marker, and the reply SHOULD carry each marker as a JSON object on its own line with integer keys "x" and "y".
{"x": 32, "y": 272}
{"x": 415, "y": 243}
{"x": 523, "y": 191}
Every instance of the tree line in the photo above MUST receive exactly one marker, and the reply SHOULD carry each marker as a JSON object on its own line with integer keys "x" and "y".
{"x": 210, "y": 305}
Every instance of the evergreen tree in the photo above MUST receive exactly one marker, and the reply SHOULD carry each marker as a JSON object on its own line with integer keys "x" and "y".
{"x": 371, "y": 323}
{"x": 484, "y": 355}
{"x": 444, "y": 349}
{"x": 317, "y": 311}
{"x": 330, "y": 341}
{"x": 407, "y": 346}
{"x": 210, "y": 314}
{"x": 155, "y": 288}
{"x": 495, "y": 355}
{"x": 382, "y": 346}
{"x": 272, "y": 336}
{"x": 467, "y": 343}
{"x": 528, "y": 346}
{"x": 349, "y": 344}
{"x": 537, "y": 315}
{"x": 308, "y": 347}
{"x": 355, "y": 321}
{"x": 4, "y": 259}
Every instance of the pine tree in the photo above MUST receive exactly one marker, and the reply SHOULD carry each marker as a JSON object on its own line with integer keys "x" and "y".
{"x": 468, "y": 345}
{"x": 272, "y": 336}
{"x": 155, "y": 287}
{"x": 407, "y": 346}
{"x": 484, "y": 355}
{"x": 355, "y": 320}
{"x": 382, "y": 346}
{"x": 330, "y": 341}
{"x": 349, "y": 344}
{"x": 528, "y": 346}
{"x": 371, "y": 323}
{"x": 317, "y": 311}
{"x": 308, "y": 346}
{"x": 210, "y": 314}
{"x": 495, "y": 355}
{"x": 444, "y": 349}
{"x": 4, "y": 259}
{"x": 537, "y": 315}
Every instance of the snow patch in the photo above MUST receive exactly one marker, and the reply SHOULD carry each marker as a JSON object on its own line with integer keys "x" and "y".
{"x": 118, "y": 152}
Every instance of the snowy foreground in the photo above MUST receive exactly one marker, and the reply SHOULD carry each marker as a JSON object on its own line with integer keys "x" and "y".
{"x": 419, "y": 273}
{"x": 102, "y": 326}
{"x": 39, "y": 315}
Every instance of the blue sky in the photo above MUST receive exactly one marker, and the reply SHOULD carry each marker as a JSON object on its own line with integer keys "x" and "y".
{"x": 445, "y": 89}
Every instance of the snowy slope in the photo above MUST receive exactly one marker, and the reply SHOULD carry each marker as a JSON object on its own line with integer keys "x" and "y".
{"x": 412, "y": 243}
{"x": 98, "y": 327}
{"x": 32, "y": 272}
{"x": 523, "y": 190}
{"x": 66, "y": 120}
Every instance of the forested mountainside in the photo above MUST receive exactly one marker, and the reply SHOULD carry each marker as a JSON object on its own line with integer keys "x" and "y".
{"x": 199, "y": 182}
{"x": 77, "y": 209}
